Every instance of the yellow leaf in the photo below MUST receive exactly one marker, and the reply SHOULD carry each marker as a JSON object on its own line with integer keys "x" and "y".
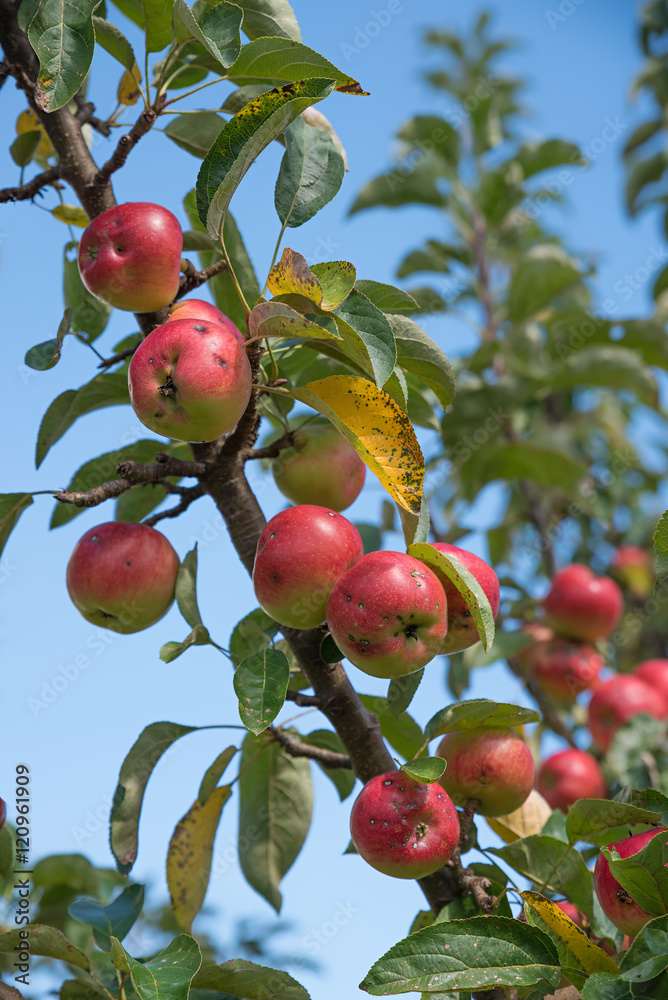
{"x": 590, "y": 957}
{"x": 128, "y": 89}
{"x": 73, "y": 215}
{"x": 292, "y": 275}
{"x": 526, "y": 821}
{"x": 28, "y": 121}
{"x": 378, "y": 429}
{"x": 189, "y": 856}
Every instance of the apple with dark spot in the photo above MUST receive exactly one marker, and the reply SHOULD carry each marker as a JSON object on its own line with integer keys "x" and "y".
{"x": 130, "y": 256}
{"x": 387, "y": 614}
{"x": 583, "y": 606}
{"x": 402, "y": 827}
{"x": 490, "y": 765}
{"x": 122, "y": 576}
{"x": 569, "y": 775}
{"x": 200, "y": 309}
{"x": 190, "y": 379}
{"x": 301, "y": 553}
{"x": 321, "y": 467}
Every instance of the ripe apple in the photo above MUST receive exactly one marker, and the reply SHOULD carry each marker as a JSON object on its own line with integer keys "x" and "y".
{"x": 3, "y": 813}
{"x": 569, "y": 775}
{"x": 387, "y": 614}
{"x": 492, "y": 765}
{"x": 320, "y": 468}
{"x": 300, "y": 555}
{"x": 616, "y": 902}
{"x": 633, "y": 569}
{"x": 122, "y": 576}
{"x": 654, "y": 673}
{"x": 200, "y": 309}
{"x": 564, "y": 668}
{"x": 583, "y": 606}
{"x": 190, "y": 379}
{"x": 462, "y": 631}
{"x": 616, "y": 701}
{"x": 402, "y": 827}
{"x": 130, "y": 256}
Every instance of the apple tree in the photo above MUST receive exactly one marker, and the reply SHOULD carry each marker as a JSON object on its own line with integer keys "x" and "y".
{"x": 327, "y": 376}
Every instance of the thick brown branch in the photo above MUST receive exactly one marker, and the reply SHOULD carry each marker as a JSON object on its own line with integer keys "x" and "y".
{"x": 193, "y": 279}
{"x": 136, "y": 474}
{"x": 96, "y": 495}
{"x": 26, "y": 191}
{"x": 166, "y": 467}
{"x": 8, "y": 992}
{"x": 295, "y": 747}
{"x": 125, "y": 144}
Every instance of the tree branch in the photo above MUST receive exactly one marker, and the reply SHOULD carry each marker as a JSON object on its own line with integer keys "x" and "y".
{"x": 188, "y": 495}
{"x": 550, "y": 717}
{"x": 136, "y": 474}
{"x": 24, "y": 192}
{"x": 272, "y": 450}
{"x": 302, "y": 700}
{"x": 126, "y": 143}
{"x": 295, "y": 747}
{"x": 193, "y": 279}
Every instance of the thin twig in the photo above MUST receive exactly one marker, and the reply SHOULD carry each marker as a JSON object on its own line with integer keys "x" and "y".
{"x": 28, "y": 191}
{"x": 193, "y": 279}
{"x": 121, "y": 356}
{"x": 188, "y": 495}
{"x": 125, "y": 144}
{"x": 295, "y": 747}
{"x": 303, "y": 700}
{"x": 272, "y": 450}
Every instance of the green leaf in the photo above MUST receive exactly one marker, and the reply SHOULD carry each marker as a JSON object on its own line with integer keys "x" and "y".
{"x": 640, "y": 135}
{"x": 418, "y": 354}
{"x": 75, "y": 989}
{"x": 137, "y": 503}
{"x": 277, "y": 319}
{"x": 281, "y": 60}
{"x": 195, "y": 133}
{"x": 552, "y": 866}
{"x": 642, "y": 174}
{"x": 242, "y": 140}
{"x": 218, "y": 30}
{"x": 133, "y": 10}
{"x": 110, "y": 389}
{"x": 524, "y": 461}
{"x": 660, "y": 539}
{"x": 168, "y": 975}
{"x": 611, "y": 367}
{"x": 63, "y": 38}
{"x": 401, "y": 691}
{"x": 249, "y": 981}
{"x": 260, "y": 684}
{"x": 186, "y": 589}
{"x": 425, "y": 769}
{"x": 114, "y": 42}
{"x": 465, "y": 582}
{"x": 386, "y": 297}
{"x": 475, "y": 714}
{"x": 115, "y": 919}
{"x": 136, "y": 769}
{"x": 401, "y": 187}
{"x": 474, "y": 954}
{"x": 589, "y": 818}
{"x": 158, "y": 24}
{"x": 643, "y": 875}
{"x": 435, "y": 256}
{"x": 311, "y": 173}
{"x": 545, "y": 155}
{"x": 606, "y": 986}
{"x": 214, "y": 773}
{"x": 638, "y": 963}
{"x": 12, "y": 506}
{"x": 99, "y": 470}
{"x": 276, "y": 803}
{"x": 46, "y": 941}
{"x": 252, "y": 634}
{"x": 433, "y": 135}
{"x": 368, "y": 331}
{"x": 243, "y": 95}
{"x": 269, "y": 17}
{"x": 89, "y": 315}
{"x": 329, "y": 651}
{"x": 535, "y": 283}
{"x": 24, "y": 147}
{"x": 198, "y": 637}
{"x": 193, "y": 240}
{"x": 343, "y": 778}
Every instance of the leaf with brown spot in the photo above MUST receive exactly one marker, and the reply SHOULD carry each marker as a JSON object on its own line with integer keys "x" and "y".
{"x": 575, "y": 948}
{"x": 378, "y": 429}
{"x": 293, "y": 275}
{"x": 189, "y": 856}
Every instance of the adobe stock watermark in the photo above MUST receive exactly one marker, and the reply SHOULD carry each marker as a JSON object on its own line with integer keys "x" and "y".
{"x": 378, "y": 19}
{"x": 565, "y": 10}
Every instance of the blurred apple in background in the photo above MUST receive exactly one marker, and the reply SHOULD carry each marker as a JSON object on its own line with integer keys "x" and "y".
{"x": 569, "y": 775}
{"x": 616, "y": 701}
{"x": 583, "y": 606}
{"x": 633, "y": 568}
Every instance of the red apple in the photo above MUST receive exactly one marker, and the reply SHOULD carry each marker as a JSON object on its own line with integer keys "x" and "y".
{"x": 200, "y": 309}
{"x": 130, "y": 256}
{"x": 564, "y": 668}
{"x": 300, "y": 555}
{"x": 491, "y": 765}
{"x": 568, "y": 776}
{"x": 633, "y": 568}
{"x": 321, "y": 468}
{"x": 462, "y": 631}
{"x": 616, "y": 902}
{"x": 403, "y": 827}
{"x": 654, "y": 673}
{"x": 583, "y": 606}
{"x": 616, "y": 701}
{"x": 387, "y": 614}
{"x": 190, "y": 379}
{"x": 3, "y": 813}
{"x": 122, "y": 576}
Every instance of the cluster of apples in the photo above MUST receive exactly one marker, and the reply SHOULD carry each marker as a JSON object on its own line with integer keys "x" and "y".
{"x": 388, "y": 613}
{"x": 190, "y": 378}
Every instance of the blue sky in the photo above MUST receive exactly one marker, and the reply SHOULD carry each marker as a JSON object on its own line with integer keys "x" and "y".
{"x": 579, "y": 66}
